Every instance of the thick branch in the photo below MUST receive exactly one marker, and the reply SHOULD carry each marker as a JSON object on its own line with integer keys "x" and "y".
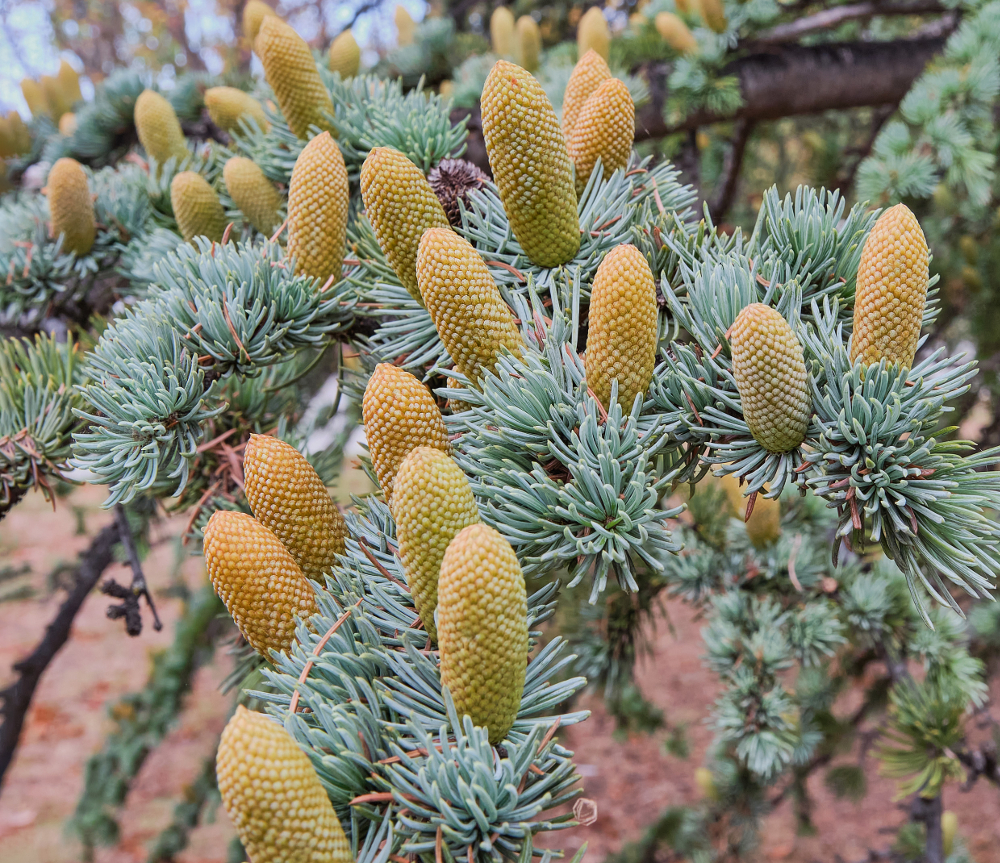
{"x": 828, "y": 18}
{"x": 17, "y": 697}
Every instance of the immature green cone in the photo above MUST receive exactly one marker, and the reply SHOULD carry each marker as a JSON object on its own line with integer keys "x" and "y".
{"x": 399, "y": 414}
{"x": 588, "y": 74}
{"x": 69, "y": 84}
{"x": 405, "y": 26}
{"x": 593, "y": 33}
{"x": 604, "y": 130}
{"x": 258, "y": 580}
{"x": 197, "y": 208}
{"x": 891, "y": 291}
{"x": 470, "y": 316}
{"x": 400, "y": 205}
{"x": 158, "y": 128}
{"x": 71, "y": 207}
{"x": 621, "y": 339}
{"x": 675, "y": 33}
{"x": 431, "y": 502}
{"x": 770, "y": 373}
{"x": 291, "y": 72}
{"x": 254, "y": 14}
{"x": 317, "y": 209}
{"x": 502, "y": 32}
{"x": 531, "y": 165}
{"x": 288, "y": 497}
{"x": 483, "y": 628}
{"x": 529, "y": 42}
{"x": 273, "y": 795}
{"x": 253, "y": 193}
{"x": 345, "y": 55}
{"x": 713, "y": 14}
{"x": 227, "y": 106}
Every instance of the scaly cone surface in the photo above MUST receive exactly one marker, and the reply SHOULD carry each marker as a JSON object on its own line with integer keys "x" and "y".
{"x": 197, "y": 207}
{"x": 469, "y": 313}
{"x": 502, "y": 32}
{"x": 431, "y": 502}
{"x": 770, "y": 372}
{"x": 345, "y": 55}
{"x": 227, "y": 106}
{"x": 258, "y": 580}
{"x": 531, "y": 165}
{"x": 71, "y": 207}
{"x": 621, "y": 339}
{"x": 588, "y": 74}
{"x": 288, "y": 497}
{"x": 292, "y": 74}
{"x": 401, "y": 205}
{"x": 318, "y": 195}
{"x": 483, "y": 628}
{"x": 399, "y": 414}
{"x": 891, "y": 290}
{"x": 273, "y": 795}
{"x": 254, "y": 14}
{"x": 605, "y": 130}
{"x": 529, "y": 42}
{"x": 158, "y": 128}
{"x": 675, "y": 33}
{"x": 593, "y": 34}
{"x": 253, "y": 193}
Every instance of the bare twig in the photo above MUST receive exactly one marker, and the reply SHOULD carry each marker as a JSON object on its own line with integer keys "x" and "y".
{"x": 138, "y": 589}
{"x": 828, "y": 18}
{"x": 726, "y": 191}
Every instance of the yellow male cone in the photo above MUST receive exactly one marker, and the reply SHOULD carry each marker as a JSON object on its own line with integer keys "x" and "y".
{"x": 228, "y": 105}
{"x": 71, "y": 207}
{"x": 470, "y": 316}
{"x": 67, "y": 124}
{"x": 158, "y": 128}
{"x": 292, "y": 74}
{"x": 197, "y": 208}
{"x": 8, "y": 141}
{"x": 345, "y": 55}
{"x": 621, "y": 338}
{"x": 401, "y": 205}
{"x": 34, "y": 95}
{"x": 405, "y": 26}
{"x": 273, "y": 795}
{"x": 288, "y": 497}
{"x": 20, "y": 132}
{"x": 589, "y": 73}
{"x": 529, "y": 42}
{"x": 502, "y": 32}
{"x": 69, "y": 83}
{"x": 254, "y": 14}
{"x": 605, "y": 130}
{"x": 399, "y": 414}
{"x": 764, "y": 525}
{"x": 253, "y": 193}
{"x": 675, "y": 33}
{"x": 483, "y": 628}
{"x": 258, "y": 580}
{"x": 770, "y": 372}
{"x": 531, "y": 165}
{"x": 593, "y": 33}
{"x": 54, "y": 96}
{"x": 431, "y": 502}
{"x": 891, "y": 290}
{"x": 318, "y": 194}
{"x": 713, "y": 14}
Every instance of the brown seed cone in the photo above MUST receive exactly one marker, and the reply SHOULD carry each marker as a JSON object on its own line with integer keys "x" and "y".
{"x": 292, "y": 74}
{"x": 288, "y": 497}
{"x": 227, "y": 106}
{"x": 452, "y": 180}
{"x": 891, "y": 290}
{"x": 401, "y": 205}
{"x": 71, "y": 207}
{"x": 197, "y": 207}
{"x": 253, "y": 193}
{"x": 399, "y": 414}
{"x": 158, "y": 128}
{"x": 274, "y": 796}
{"x": 676, "y": 33}
{"x": 592, "y": 33}
{"x": 605, "y": 129}
{"x": 254, "y": 14}
{"x": 258, "y": 580}
{"x": 345, "y": 55}
{"x": 318, "y": 196}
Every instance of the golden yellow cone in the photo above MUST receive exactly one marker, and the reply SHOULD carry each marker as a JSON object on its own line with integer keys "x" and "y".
{"x": 483, "y": 628}
{"x": 621, "y": 339}
{"x": 706, "y": 783}
{"x": 34, "y": 95}
{"x": 253, "y": 193}
{"x": 67, "y": 124}
{"x": 770, "y": 372}
{"x": 401, "y": 205}
{"x": 531, "y": 165}
{"x": 605, "y": 130}
{"x": 400, "y": 414}
{"x": 288, "y": 497}
{"x": 258, "y": 580}
{"x": 254, "y": 14}
{"x": 345, "y": 55}
{"x": 589, "y": 73}
{"x": 949, "y": 830}
{"x": 197, "y": 208}
{"x": 292, "y": 74}
{"x": 228, "y": 105}
{"x": 503, "y": 38}
{"x": 405, "y": 26}
{"x": 54, "y": 97}
{"x": 593, "y": 33}
{"x": 158, "y": 128}
{"x": 273, "y": 795}
{"x": 446, "y": 89}
{"x": 891, "y": 290}
{"x": 684, "y": 6}
{"x": 431, "y": 502}
{"x": 764, "y": 526}
{"x": 456, "y": 406}
{"x": 318, "y": 195}
{"x": 529, "y": 42}
{"x": 69, "y": 83}
{"x": 71, "y": 206}
{"x": 20, "y": 132}
{"x": 675, "y": 33}
{"x": 713, "y": 14}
